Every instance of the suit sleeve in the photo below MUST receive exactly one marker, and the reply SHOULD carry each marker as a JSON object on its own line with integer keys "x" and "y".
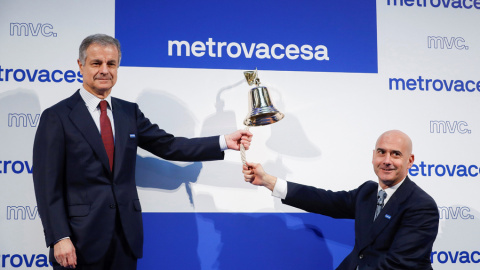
{"x": 167, "y": 146}
{"x": 339, "y": 204}
{"x": 48, "y": 176}
{"x": 413, "y": 241}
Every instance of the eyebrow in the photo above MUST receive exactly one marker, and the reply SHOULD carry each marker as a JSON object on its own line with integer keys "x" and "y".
{"x": 100, "y": 60}
{"x": 397, "y": 151}
{"x": 393, "y": 151}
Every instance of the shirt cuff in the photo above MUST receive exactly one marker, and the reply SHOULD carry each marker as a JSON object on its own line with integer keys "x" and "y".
{"x": 223, "y": 143}
{"x": 280, "y": 189}
{"x": 68, "y": 237}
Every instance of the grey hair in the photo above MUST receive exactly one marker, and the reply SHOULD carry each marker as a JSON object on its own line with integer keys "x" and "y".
{"x": 101, "y": 39}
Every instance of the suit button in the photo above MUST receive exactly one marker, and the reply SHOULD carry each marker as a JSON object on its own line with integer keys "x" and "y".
{"x": 113, "y": 205}
{"x": 361, "y": 256}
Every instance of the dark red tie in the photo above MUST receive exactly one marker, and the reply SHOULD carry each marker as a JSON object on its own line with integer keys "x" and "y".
{"x": 106, "y": 131}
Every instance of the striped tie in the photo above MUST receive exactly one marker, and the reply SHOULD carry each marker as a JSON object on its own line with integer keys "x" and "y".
{"x": 380, "y": 198}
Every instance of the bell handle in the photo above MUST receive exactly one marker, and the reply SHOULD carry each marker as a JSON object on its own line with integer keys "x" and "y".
{"x": 242, "y": 152}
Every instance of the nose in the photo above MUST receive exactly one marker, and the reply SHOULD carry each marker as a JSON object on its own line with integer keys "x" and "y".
{"x": 104, "y": 69}
{"x": 387, "y": 160}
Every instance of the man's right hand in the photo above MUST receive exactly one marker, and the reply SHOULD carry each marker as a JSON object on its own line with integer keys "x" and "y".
{"x": 64, "y": 253}
{"x": 255, "y": 174}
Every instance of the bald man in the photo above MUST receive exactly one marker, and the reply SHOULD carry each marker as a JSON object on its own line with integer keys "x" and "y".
{"x": 396, "y": 222}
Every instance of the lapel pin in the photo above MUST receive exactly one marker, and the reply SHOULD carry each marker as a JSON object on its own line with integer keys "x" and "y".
{"x": 132, "y": 135}
{"x": 387, "y": 216}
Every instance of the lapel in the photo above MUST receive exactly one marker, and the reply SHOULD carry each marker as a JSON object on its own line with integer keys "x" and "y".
{"x": 364, "y": 219}
{"x": 391, "y": 209}
{"x": 120, "y": 117}
{"x": 82, "y": 119}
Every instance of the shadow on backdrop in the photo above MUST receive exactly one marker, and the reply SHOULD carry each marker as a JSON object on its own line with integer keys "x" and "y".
{"x": 288, "y": 136}
{"x": 173, "y": 116}
{"x": 20, "y": 114}
{"x": 220, "y": 122}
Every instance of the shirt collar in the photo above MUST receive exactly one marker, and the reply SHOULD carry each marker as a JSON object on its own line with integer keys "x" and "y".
{"x": 392, "y": 189}
{"x": 92, "y": 101}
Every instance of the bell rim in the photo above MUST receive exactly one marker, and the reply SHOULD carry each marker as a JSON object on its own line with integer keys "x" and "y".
{"x": 276, "y": 117}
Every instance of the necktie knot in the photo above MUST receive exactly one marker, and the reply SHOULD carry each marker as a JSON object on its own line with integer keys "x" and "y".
{"x": 381, "y": 197}
{"x": 103, "y": 105}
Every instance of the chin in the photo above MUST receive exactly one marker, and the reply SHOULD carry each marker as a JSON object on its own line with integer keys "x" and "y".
{"x": 104, "y": 86}
{"x": 103, "y": 89}
{"x": 389, "y": 182}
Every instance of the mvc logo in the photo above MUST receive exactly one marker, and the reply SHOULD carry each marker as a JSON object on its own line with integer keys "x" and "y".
{"x": 446, "y": 43}
{"x": 21, "y": 212}
{"x": 455, "y": 212}
{"x": 450, "y": 127}
{"x": 22, "y": 119}
{"x": 27, "y": 29}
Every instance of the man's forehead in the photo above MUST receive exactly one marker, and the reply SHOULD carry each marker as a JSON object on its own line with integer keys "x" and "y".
{"x": 101, "y": 48}
{"x": 96, "y": 53}
{"x": 100, "y": 45}
{"x": 389, "y": 143}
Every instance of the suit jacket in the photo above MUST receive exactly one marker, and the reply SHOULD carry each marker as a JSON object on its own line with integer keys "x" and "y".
{"x": 77, "y": 193}
{"x": 401, "y": 237}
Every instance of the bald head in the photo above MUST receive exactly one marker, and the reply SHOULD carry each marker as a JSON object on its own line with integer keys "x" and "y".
{"x": 399, "y": 136}
{"x": 392, "y": 157}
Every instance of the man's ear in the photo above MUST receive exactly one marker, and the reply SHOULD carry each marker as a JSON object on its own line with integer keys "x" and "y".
{"x": 80, "y": 66}
{"x": 411, "y": 159}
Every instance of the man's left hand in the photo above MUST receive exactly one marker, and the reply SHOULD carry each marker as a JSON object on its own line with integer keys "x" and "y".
{"x": 239, "y": 137}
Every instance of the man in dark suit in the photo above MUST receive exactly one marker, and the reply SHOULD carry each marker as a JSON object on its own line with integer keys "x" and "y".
{"x": 84, "y": 166}
{"x": 392, "y": 231}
